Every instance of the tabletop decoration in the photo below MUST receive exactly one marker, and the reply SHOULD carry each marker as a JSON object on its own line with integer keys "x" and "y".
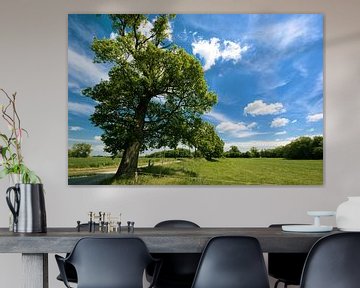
{"x": 348, "y": 214}
{"x": 315, "y": 227}
{"x": 12, "y": 160}
{"x": 25, "y": 197}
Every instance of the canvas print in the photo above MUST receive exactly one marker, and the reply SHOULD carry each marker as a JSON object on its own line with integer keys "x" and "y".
{"x": 206, "y": 99}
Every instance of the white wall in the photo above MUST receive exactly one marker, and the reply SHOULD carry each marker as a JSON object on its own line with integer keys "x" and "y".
{"x": 33, "y": 62}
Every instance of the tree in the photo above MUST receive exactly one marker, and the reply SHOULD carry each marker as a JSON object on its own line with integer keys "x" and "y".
{"x": 233, "y": 152}
{"x": 81, "y": 150}
{"x": 254, "y": 152}
{"x": 305, "y": 148}
{"x": 317, "y": 147}
{"x": 205, "y": 140}
{"x": 155, "y": 93}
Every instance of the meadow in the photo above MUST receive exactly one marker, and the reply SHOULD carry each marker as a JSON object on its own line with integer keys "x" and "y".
{"x": 198, "y": 171}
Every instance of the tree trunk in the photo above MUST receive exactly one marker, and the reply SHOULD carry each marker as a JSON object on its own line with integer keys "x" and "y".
{"x": 129, "y": 161}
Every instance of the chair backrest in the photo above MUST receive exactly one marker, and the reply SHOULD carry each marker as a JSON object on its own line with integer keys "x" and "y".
{"x": 176, "y": 224}
{"x": 110, "y": 262}
{"x": 286, "y": 266}
{"x": 178, "y": 269}
{"x": 333, "y": 262}
{"x": 232, "y": 262}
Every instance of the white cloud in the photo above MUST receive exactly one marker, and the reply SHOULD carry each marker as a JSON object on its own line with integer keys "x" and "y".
{"x": 236, "y": 130}
{"x": 99, "y": 150}
{"x": 146, "y": 27}
{"x": 75, "y": 128}
{"x": 159, "y": 99}
{"x": 303, "y": 71}
{"x": 217, "y": 116}
{"x": 233, "y": 51}
{"x": 80, "y": 108}
{"x": 281, "y": 133}
{"x": 97, "y": 138}
{"x": 212, "y": 50}
{"x": 113, "y": 35}
{"x": 293, "y": 121}
{"x": 314, "y": 117}
{"x": 74, "y": 87}
{"x": 246, "y": 146}
{"x": 279, "y": 122}
{"x": 317, "y": 90}
{"x": 84, "y": 32}
{"x": 169, "y": 31}
{"x": 83, "y": 70}
{"x": 252, "y": 125}
{"x": 81, "y": 140}
{"x": 278, "y": 84}
{"x": 285, "y": 34}
{"x": 259, "y": 107}
{"x": 209, "y": 50}
{"x": 231, "y": 126}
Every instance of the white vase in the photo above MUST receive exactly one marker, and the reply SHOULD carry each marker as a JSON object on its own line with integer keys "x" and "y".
{"x": 14, "y": 179}
{"x": 348, "y": 215}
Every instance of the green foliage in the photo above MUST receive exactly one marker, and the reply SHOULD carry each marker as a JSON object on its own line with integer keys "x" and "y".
{"x": 300, "y": 148}
{"x": 155, "y": 93}
{"x": 205, "y": 140}
{"x": 234, "y": 152}
{"x": 254, "y": 153}
{"x": 276, "y": 152}
{"x": 174, "y": 153}
{"x": 304, "y": 148}
{"x": 80, "y": 150}
{"x": 317, "y": 153}
{"x": 92, "y": 162}
{"x": 11, "y": 159}
{"x": 226, "y": 171}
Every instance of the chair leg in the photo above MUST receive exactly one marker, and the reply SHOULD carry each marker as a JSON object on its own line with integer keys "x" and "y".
{"x": 278, "y": 282}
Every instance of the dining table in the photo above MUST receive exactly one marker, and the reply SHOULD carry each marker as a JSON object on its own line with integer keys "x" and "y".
{"x": 35, "y": 247}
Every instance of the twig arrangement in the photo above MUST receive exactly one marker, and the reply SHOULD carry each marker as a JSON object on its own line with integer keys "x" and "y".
{"x": 12, "y": 160}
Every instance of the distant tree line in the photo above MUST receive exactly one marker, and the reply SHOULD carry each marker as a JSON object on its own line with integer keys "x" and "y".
{"x": 173, "y": 153}
{"x": 80, "y": 150}
{"x": 300, "y": 148}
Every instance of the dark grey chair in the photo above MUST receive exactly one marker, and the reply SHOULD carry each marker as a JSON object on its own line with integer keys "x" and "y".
{"x": 333, "y": 262}
{"x": 178, "y": 269}
{"x": 232, "y": 262}
{"x": 70, "y": 271}
{"x": 286, "y": 267}
{"x": 108, "y": 263}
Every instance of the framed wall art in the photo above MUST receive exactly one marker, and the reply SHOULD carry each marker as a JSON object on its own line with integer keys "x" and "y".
{"x": 195, "y": 99}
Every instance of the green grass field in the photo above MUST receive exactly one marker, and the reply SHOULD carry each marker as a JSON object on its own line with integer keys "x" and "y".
{"x": 225, "y": 171}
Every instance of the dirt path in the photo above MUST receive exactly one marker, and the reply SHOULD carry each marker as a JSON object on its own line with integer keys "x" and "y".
{"x": 102, "y": 175}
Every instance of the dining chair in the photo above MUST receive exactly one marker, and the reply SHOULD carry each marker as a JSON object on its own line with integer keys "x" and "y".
{"x": 178, "y": 269}
{"x": 333, "y": 262}
{"x": 285, "y": 267}
{"x": 108, "y": 263}
{"x": 232, "y": 262}
{"x": 70, "y": 271}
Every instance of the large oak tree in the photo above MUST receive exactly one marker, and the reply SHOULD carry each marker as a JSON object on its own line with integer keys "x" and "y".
{"x": 155, "y": 93}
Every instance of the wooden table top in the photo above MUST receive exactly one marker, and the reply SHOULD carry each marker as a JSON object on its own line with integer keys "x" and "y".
{"x": 158, "y": 240}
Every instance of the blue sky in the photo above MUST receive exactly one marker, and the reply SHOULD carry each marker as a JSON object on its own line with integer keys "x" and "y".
{"x": 267, "y": 70}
